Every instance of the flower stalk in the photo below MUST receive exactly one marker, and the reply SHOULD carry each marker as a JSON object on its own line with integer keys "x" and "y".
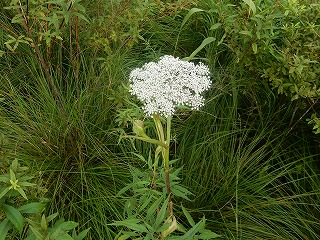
{"x": 165, "y": 152}
{"x": 163, "y": 87}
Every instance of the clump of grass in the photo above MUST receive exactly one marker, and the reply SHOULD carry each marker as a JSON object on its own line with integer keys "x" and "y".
{"x": 78, "y": 160}
{"x": 251, "y": 172}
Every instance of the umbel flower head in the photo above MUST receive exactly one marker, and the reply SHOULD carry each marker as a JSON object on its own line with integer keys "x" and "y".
{"x": 168, "y": 83}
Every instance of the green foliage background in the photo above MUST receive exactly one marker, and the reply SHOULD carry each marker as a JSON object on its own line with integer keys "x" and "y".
{"x": 249, "y": 156}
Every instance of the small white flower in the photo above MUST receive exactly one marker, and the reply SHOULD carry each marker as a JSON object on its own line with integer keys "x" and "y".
{"x": 169, "y": 83}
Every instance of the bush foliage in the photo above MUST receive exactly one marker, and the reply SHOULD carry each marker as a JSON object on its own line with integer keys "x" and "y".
{"x": 249, "y": 156}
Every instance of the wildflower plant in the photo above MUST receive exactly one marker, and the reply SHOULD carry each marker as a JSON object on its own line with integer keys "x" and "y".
{"x": 162, "y": 87}
{"x": 168, "y": 84}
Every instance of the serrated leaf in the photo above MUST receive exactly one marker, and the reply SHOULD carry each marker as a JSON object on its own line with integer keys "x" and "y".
{"x": 190, "y": 13}
{"x": 14, "y": 216}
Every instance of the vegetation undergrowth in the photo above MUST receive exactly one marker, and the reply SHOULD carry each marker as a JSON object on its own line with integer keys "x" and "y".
{"x": 249, "y": 156}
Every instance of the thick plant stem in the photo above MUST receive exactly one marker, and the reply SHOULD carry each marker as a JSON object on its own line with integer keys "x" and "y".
{"x": 165, "y": 154}
{"x": 166, "y": 165}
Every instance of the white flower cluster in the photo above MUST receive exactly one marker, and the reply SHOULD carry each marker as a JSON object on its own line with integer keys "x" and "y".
{"x": 169, "y": 83}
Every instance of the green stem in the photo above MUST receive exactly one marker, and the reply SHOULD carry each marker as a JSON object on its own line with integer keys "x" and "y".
{"x": 167, "y": 166}
{"x": 165, "y": 154}
{"x": 168, "y": 142}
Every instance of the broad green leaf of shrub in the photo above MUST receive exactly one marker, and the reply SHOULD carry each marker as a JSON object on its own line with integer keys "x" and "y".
{"x": 5, "y": 226}
{"x": 14, "y": 216}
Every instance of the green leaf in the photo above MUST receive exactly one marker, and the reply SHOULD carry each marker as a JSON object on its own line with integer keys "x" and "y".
{"x": 188, "y": 216}
{"x": 25, "y": 184}
{"x": 248, "y": 33}
{"x": 5, "y": 178}
{"x": 204, "y": 43}
{"x": 146, "y": 203}
{"x": 126, "y": 188}
{"x": 79, "y": 7}
{"x": 43, "y": 223}
{"x": 51, "y": 217}
{"x": 68, "y": 225}
{"x": 36, "y": 232}
{"x": 154, "y": 207}
{"x": 132, "y": 224}
{"x": 162, "y": 213}
{"x": 181, "y": 192}
{"x": 22, "y": 193}
{"x": 14, "y": 216}
{"x": 252, "y": 6}
{"x": 126, "y": 235}
{"x": 81, "y": 16}
{"x": 15, "y": 163}
{"x": 215, "y": 26}
{"x": 207, "y": 234}
{"x": 5, "y": 226}
{"x": 2, "y": 53}
{"x": 255, "y": 48}
{"x": 17, "y": 18}
{"x": 190, "y": 13}
{"x": 4, "y": 192}
{"x": 64, "y": 236}
{"x": 12, "y": 175}
{"x": 82, "y": 234}
{"x": 194, "y": 230}
{"x": 34, "y": 207}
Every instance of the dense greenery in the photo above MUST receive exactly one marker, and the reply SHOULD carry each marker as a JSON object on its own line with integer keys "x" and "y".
{"x": 250, "y": 156}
